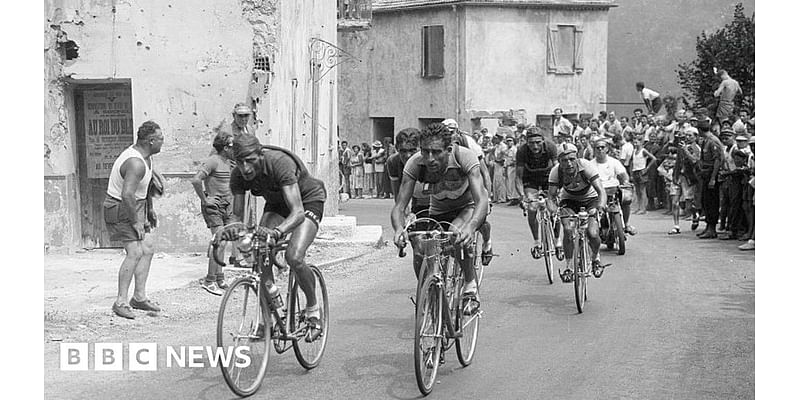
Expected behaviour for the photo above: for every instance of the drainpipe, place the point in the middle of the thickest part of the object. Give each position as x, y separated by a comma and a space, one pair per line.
294, 115
458, 63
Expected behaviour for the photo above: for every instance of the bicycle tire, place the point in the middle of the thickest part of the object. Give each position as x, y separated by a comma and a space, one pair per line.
580, 274
309, 355
465, 345
428, 317
619, 231
243, 291
548, 247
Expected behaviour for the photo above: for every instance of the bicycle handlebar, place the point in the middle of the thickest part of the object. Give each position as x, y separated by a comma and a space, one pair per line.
434, 233
244, 233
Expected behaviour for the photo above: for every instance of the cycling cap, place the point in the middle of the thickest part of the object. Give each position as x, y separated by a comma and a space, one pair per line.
566, 148
450, 123
533, 131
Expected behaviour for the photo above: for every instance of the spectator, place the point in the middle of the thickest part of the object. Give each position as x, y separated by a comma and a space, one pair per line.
344, 167
369, 170
560, 124
710, 163
651, 98
666, 171
498, 178
688, 156
582, 128
726, 92
641, 162
740, 125
379, 157
390, 149
357, 176
510, 166
749, 196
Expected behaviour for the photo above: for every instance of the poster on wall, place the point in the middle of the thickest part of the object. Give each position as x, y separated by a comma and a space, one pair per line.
109, 128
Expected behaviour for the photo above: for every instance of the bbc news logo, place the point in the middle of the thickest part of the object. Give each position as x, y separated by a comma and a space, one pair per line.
145, 356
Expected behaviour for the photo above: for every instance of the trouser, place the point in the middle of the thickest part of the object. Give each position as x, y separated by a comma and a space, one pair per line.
380, 188
735, 213
724, 202
346, 183
499, 183
511, 183
710, 200
387, 183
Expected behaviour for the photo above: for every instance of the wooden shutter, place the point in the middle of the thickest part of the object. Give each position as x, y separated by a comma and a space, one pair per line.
433, 51
578, 48
552, 37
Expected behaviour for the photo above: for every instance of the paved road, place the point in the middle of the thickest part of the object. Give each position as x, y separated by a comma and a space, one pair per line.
672, 319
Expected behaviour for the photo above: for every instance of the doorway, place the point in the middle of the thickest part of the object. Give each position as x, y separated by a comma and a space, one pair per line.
382, 127
103, 129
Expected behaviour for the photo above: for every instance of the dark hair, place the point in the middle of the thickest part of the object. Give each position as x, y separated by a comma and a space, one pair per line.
639, 85
559, 109
435, 131
344, 142
147, 129
244, 145
221, 141
603, 114
407, 135
639, 110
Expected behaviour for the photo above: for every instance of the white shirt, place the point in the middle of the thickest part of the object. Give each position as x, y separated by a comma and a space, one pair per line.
563, 125
609, 171
649, 94
625, 153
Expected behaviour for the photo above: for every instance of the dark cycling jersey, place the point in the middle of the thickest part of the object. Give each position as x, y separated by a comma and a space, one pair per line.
281, 168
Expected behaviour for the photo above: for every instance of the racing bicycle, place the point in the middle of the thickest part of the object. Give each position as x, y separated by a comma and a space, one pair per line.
249, 317
440, 317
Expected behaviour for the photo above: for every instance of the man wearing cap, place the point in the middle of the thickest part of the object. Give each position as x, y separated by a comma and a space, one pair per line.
575, 183
711, 159
498, 178
294, 203
451, 174
561, 124
242, 120
128, 218
379, 158
686, 171
534, 161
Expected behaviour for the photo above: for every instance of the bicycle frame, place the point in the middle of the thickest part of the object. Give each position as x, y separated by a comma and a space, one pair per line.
264, 255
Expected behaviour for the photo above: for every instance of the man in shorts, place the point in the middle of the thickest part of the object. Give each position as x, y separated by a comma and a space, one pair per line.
295, 203
129, 217
534, 161
212, 185
575, 184
451, 174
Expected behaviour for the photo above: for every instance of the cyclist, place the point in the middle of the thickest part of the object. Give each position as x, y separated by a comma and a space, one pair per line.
575, 182
294, 204
613, 175
465, 140
534, 161
451, 174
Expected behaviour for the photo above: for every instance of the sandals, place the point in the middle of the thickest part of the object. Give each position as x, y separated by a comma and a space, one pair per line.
314, 329
486, 257
470, 303
674, 231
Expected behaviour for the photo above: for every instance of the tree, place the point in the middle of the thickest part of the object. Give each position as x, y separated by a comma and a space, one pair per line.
732, 48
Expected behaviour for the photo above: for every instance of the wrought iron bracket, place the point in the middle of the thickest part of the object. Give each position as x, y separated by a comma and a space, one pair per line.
325, 56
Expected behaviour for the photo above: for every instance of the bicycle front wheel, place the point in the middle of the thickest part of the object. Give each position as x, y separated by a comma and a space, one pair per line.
548, 247
476, 259
581, 268
468, 327
619, 231
243, 328
428, 333
309, 354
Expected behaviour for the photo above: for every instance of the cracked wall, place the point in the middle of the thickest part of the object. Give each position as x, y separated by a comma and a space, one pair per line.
188, 63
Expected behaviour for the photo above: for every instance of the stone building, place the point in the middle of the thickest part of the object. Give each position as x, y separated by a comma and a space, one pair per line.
111, 65
474, 61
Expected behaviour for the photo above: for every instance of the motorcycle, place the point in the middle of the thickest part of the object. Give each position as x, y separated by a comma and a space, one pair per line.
612, 227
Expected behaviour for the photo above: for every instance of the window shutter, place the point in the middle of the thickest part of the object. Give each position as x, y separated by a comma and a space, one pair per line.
433, 51
579, 48
552, 37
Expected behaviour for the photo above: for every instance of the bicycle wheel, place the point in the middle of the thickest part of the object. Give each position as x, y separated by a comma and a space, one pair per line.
548, 248
309, 354
619, 231
580, 269
240, 315
468, 327
428, 333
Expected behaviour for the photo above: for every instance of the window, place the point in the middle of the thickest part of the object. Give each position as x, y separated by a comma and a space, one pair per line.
564, 49
433, 51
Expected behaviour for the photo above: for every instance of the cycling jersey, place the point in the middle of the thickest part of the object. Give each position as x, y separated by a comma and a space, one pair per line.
577, 187
536, 166
279, 169
451, 191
